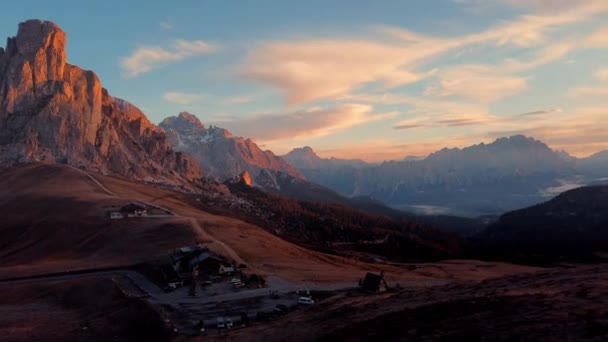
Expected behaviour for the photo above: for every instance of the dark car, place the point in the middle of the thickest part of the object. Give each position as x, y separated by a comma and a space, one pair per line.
281, 309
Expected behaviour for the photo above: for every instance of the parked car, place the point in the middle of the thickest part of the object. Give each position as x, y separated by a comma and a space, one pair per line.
220, 323
229, 323
306, 301
281, 309
206, 283
262, 316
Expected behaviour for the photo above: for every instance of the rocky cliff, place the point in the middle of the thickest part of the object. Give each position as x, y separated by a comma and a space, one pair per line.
57, 112
223, 156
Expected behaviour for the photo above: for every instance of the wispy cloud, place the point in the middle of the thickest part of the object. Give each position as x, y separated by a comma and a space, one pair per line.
598, 39
166, 25
236, 100
589, 91
315, 69
602, 74
541, 112
182, 98
144, 59
304, 124
479, 82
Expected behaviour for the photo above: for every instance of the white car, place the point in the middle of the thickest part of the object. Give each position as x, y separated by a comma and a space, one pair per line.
220, 323
229, 323
306, 301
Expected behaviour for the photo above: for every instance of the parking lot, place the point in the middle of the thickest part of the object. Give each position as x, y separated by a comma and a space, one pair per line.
223, 300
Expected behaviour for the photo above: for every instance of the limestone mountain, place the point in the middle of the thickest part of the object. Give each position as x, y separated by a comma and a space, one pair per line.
57, 112
223, 156
506, 174
337, 174
305, 158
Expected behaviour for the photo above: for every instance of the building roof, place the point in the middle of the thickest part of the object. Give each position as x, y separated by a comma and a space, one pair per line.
372, 282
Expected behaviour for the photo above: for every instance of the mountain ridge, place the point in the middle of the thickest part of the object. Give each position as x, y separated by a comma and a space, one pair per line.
224, 156
463, 181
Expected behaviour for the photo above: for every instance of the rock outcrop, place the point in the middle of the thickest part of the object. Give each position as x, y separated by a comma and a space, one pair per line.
53, 111
223, 156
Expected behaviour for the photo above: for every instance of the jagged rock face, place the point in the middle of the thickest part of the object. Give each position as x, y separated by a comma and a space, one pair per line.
221, 155
54, 111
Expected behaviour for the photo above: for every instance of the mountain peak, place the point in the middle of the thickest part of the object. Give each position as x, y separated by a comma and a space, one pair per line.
54, 111
35, 35
303, 151
185, 116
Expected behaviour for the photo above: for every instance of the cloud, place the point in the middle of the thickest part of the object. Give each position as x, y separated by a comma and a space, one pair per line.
411, 124
144, 59
541, 112
598, 39
547, 54
602, 74
182, 98
239, 100
536, 6
304, 124
315, 69
586, 91
166, 25
478, 82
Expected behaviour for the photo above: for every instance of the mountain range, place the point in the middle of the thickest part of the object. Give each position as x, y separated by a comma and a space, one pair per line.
483, 179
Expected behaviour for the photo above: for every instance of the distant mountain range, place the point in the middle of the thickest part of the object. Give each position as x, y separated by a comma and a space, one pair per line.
483, 179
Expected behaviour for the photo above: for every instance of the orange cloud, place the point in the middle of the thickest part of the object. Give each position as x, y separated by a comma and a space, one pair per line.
304, 124
602, 74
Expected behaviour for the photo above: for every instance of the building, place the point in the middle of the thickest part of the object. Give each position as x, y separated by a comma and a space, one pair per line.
134, 210
186, 259
226, 269
374, 283
138, 213
116, 215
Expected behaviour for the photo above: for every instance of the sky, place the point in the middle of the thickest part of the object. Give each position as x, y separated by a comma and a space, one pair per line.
375, 80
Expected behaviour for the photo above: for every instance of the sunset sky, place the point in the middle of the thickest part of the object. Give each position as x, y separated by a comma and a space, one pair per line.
353, 79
